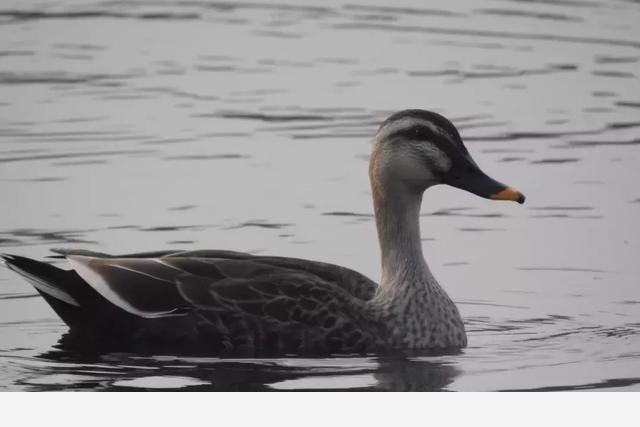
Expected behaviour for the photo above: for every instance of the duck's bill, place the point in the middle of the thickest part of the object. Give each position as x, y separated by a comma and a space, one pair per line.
509, 194
483, 185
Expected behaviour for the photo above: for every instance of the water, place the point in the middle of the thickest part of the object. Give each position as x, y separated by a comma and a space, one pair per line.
130, 126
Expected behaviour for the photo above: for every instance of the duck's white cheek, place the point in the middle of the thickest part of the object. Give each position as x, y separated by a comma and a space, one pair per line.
415, 169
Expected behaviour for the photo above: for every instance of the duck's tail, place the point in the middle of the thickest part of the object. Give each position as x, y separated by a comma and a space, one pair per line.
60, 288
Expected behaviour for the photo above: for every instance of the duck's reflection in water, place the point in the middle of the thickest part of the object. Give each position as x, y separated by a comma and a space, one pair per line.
74, 365
415, 374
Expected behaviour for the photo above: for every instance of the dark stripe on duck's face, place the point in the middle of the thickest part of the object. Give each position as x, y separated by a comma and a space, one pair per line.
429, 121
450, 144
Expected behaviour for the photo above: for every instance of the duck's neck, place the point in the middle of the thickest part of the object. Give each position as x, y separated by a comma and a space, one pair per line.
397, 212
418, 310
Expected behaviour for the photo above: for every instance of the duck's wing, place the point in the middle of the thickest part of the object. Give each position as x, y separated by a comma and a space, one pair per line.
161, 287
254, 305
351, 281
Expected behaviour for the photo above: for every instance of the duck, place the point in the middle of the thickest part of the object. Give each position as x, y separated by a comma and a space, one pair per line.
223, 302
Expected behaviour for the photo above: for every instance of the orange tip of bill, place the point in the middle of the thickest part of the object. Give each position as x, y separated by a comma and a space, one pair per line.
509, 194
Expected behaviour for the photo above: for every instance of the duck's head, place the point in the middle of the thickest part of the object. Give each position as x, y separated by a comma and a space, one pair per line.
416, 149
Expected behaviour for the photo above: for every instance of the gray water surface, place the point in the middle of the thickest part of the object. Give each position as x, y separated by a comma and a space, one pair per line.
139, 125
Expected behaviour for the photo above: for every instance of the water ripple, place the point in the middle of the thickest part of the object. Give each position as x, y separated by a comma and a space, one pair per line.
489, 34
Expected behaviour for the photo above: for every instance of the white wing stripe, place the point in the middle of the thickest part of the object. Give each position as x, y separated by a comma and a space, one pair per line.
97, 282
122, 267
166, 264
